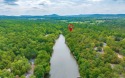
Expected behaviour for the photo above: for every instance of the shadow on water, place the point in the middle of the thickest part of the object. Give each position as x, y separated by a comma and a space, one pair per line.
46, 75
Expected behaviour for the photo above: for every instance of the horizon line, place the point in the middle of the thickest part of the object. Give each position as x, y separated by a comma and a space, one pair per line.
68, 14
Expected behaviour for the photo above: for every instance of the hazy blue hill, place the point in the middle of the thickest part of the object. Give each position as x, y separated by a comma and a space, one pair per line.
98, 15
52, 15
58, 17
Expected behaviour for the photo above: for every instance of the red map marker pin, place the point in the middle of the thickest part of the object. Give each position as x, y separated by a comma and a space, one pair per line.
70, 27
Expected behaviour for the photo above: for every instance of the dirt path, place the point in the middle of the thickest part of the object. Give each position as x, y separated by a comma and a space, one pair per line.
30, 72
120, 56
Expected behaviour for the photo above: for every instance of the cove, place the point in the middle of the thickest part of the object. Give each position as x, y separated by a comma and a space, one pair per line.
63, 64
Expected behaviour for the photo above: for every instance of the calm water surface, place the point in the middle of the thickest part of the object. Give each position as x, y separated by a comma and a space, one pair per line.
63, 64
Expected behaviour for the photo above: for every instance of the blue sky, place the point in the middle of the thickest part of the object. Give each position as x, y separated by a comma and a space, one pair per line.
61, 7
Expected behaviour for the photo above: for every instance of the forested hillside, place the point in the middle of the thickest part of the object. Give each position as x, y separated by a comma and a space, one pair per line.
97, 44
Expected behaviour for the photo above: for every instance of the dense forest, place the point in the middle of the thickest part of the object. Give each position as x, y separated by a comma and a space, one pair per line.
22, 40
98, 45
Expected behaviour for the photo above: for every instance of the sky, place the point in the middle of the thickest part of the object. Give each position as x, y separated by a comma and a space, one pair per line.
61, 7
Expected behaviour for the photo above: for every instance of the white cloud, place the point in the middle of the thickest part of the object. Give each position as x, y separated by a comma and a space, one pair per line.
96, 0
1, 0
63, 7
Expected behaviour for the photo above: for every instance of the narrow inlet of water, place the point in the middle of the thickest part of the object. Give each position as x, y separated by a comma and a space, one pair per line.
63, 64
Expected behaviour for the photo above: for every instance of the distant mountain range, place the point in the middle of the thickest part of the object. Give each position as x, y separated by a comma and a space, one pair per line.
58, 16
